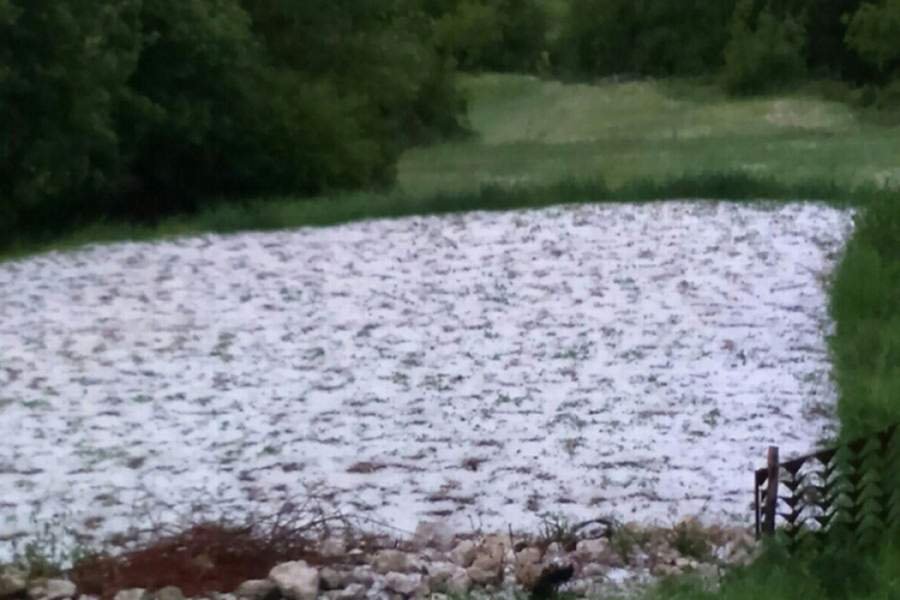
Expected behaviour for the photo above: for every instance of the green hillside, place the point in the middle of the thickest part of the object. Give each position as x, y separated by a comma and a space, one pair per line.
531, 131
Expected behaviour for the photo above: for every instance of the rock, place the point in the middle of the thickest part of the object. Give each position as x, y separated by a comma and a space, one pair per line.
464, 553
405, 584
555, 554
439, 573
665, 570
434, 555
132, 594
667, 555
490, 557
459, 583
739, 550
255, 589
529, 555
296, 580
169, 593
495, 551
685, 564
12, 581
362, 574
639, 559
387, 561
528, 566
593, 571
593, 550
333, 547
51, 589
527, 574
354, 591
482, 576
432, 534
580, 587
332, 579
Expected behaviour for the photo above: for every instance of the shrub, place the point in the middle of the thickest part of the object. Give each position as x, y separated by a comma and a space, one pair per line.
64, 66
826, 28
503, 35
689, 538
764, 52
379, 59
874, 32
651, 37
142, 108
189, 106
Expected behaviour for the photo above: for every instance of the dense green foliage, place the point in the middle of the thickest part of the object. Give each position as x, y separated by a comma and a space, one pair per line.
64, 66
499, 35
874, 33
141, 108
762, 44
653, 37
764, 53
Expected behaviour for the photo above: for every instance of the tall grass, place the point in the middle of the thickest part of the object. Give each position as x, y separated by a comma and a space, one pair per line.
837, 574
865, 304
289, 213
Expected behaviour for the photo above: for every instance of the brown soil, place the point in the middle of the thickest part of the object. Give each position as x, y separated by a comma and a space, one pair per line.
205, 558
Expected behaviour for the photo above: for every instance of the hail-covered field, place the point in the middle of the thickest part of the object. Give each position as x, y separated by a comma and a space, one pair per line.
484, 369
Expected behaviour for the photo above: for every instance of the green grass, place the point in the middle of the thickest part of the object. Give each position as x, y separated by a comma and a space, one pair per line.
834, 575
865, 304
536, 132
267, 214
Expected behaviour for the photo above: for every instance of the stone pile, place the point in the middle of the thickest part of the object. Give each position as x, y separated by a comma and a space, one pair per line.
436, 565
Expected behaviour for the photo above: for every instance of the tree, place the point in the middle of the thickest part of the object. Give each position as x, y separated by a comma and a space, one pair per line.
874, 34
65, 65
141, 108
498, 35
379, 55
651, 37
764, 52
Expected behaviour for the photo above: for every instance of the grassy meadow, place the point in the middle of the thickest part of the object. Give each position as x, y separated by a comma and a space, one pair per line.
533, 132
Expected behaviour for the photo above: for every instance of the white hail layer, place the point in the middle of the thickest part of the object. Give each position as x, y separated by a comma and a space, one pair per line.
485, 368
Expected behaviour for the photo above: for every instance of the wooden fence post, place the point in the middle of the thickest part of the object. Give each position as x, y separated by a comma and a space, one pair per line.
771, 492
756, 508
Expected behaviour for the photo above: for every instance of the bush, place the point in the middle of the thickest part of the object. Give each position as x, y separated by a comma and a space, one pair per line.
764, 52
142, 108
649, 37
500, 35
186, 118
826, 26
379, 58
64, 66
874, 34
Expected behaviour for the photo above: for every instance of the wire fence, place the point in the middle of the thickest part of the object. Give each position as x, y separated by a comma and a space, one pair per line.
851, 490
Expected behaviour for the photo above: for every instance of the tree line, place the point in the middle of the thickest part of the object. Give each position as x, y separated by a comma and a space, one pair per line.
141, 108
